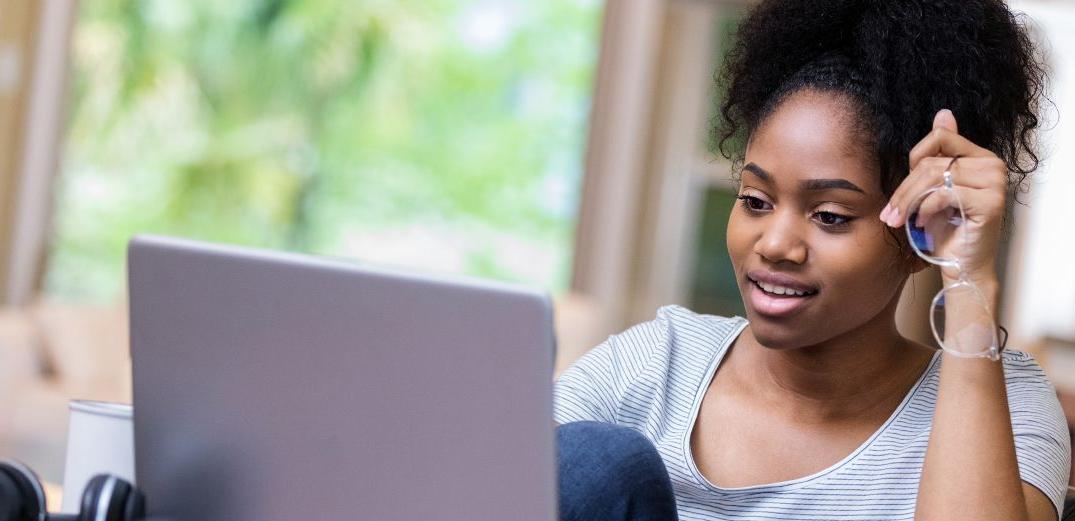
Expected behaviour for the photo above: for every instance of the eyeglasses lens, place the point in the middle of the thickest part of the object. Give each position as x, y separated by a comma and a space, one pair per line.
933, 228
968, 327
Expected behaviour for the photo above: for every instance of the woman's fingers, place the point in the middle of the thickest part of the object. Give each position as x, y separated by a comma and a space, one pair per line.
989, 173
978, 180
936, 202
928, 174
946, 119
979, 205
944, 142
976, 168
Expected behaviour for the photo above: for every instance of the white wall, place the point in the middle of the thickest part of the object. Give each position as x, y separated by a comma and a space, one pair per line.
1042, 283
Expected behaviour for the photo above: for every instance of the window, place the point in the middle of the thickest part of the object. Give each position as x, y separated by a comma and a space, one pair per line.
650, 165
713, 287
441, 135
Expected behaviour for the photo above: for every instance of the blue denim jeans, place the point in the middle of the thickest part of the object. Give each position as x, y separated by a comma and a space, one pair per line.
611, 473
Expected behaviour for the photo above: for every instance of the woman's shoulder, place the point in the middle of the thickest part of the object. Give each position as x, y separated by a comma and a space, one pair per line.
681, 315
1021, 361
685, 330
1023, 376
1032, 399
1042, 439
1020, 368
634, 368
1028, 386
678, 340
674, 333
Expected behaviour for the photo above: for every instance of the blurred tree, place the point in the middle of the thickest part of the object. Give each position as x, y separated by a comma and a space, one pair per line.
442, 134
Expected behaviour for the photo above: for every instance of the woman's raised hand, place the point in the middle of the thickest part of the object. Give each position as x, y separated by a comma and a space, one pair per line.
979, 178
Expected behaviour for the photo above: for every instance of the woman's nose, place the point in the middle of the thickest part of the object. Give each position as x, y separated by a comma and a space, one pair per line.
781, 241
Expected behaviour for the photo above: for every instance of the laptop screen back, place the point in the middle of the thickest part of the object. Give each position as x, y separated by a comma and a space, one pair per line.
277, 387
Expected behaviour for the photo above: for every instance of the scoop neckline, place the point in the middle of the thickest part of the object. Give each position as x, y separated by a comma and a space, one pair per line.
790, 483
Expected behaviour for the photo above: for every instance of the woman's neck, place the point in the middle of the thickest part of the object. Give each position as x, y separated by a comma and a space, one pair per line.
860, 374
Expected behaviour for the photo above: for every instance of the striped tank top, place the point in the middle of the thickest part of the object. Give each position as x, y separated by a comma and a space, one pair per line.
653, 376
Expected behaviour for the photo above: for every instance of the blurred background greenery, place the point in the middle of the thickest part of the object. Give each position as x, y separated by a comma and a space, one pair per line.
367, 129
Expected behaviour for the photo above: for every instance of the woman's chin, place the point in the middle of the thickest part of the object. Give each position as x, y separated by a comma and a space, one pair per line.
783, 333
777, 338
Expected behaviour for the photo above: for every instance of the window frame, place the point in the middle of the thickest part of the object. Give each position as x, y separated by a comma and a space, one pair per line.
39, 42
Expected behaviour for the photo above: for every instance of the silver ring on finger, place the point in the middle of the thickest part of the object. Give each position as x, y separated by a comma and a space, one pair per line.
948, 173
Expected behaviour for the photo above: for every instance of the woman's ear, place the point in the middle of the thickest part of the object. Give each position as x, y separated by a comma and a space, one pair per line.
915, 263
908, 261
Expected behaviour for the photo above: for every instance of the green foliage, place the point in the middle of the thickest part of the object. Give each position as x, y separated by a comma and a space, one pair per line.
314, 125
714, 287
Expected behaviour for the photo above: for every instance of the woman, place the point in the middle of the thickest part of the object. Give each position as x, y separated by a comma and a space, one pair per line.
814, 406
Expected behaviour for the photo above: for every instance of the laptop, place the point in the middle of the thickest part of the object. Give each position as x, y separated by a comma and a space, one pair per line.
280, 387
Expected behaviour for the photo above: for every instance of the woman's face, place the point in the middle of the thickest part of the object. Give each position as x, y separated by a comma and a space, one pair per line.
811, 257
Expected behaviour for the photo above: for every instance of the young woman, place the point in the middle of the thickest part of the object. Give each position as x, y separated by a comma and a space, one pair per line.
814, 406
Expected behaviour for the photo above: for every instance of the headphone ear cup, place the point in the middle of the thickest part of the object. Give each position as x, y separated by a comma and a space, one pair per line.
91, 497
21, 496
135, 506
119, 500
12, 500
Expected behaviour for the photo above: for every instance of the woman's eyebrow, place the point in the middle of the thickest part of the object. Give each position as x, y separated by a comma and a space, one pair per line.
830, 184
809, 184
757, 170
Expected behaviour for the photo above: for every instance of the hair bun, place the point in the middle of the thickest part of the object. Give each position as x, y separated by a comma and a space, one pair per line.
902, 60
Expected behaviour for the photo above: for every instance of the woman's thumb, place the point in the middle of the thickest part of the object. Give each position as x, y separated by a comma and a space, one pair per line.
945, 119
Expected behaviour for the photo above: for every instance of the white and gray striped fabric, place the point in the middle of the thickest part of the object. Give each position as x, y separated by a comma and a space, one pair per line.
652, 377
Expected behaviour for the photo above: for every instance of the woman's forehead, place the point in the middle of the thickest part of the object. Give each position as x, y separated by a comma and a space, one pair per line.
814, 135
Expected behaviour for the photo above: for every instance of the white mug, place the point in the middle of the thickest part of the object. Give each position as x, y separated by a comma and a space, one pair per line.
100, 440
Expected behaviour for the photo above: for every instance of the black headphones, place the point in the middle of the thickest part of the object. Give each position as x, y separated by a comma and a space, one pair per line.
106, 498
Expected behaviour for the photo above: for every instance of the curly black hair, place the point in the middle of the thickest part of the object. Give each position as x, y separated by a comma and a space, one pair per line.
899, 62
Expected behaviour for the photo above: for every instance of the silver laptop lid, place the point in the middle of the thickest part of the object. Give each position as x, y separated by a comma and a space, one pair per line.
282, 387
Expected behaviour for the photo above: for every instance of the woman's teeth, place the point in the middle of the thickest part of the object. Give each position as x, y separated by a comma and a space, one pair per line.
780, 290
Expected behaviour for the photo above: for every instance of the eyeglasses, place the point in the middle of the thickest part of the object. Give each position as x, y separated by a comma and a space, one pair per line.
960, 316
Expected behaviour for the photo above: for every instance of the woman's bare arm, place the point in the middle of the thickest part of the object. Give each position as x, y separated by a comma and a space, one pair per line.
970, 469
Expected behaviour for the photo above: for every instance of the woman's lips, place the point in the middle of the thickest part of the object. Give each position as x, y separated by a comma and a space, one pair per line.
783, 280
771, 305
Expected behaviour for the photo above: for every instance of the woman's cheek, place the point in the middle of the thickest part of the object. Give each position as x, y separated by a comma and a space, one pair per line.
871, 270
738, 240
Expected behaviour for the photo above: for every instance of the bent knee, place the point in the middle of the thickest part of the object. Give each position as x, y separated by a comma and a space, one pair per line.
591, 434
607, 449
605, 468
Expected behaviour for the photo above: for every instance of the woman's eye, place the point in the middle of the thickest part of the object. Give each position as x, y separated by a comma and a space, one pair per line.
752, 203
832, 219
